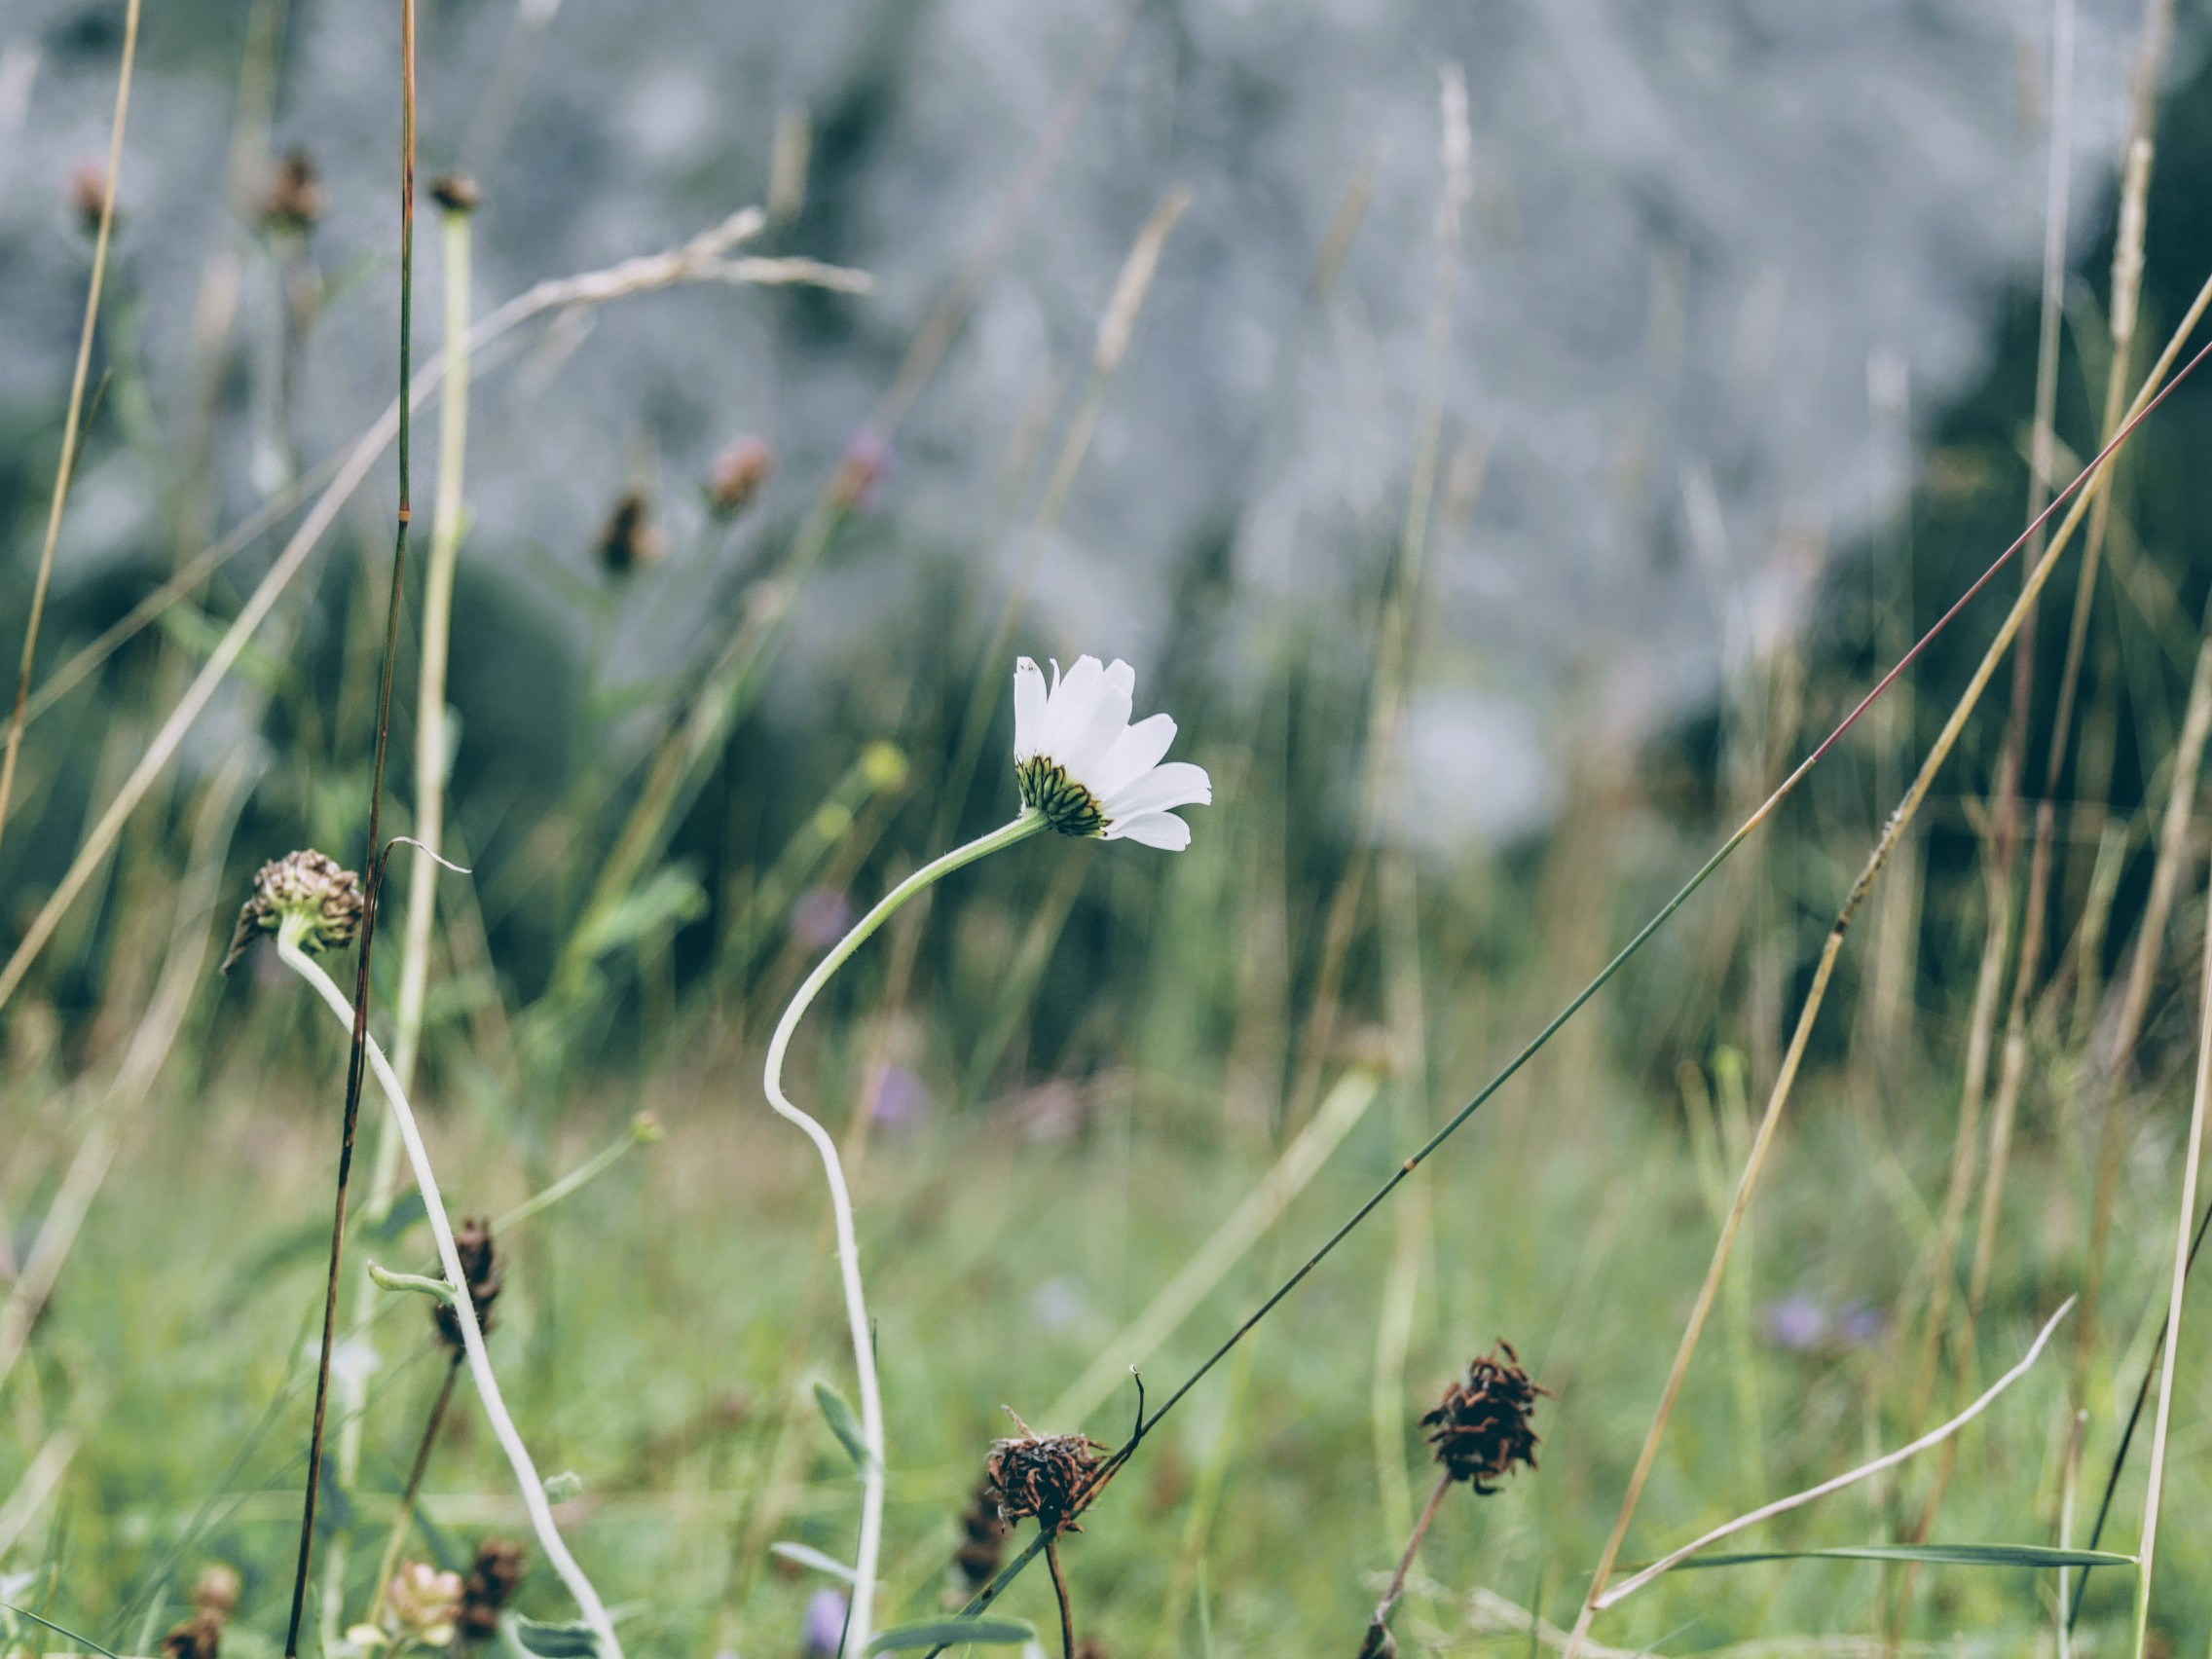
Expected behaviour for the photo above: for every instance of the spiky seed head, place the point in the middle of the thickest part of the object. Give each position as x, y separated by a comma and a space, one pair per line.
487, 1273
1481, 1428
1046, 1476
312, 894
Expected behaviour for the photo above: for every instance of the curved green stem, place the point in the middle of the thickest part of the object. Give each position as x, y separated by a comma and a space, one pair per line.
857, 1629
465, 1312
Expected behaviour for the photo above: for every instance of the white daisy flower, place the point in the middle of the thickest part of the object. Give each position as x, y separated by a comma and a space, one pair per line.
1087, 770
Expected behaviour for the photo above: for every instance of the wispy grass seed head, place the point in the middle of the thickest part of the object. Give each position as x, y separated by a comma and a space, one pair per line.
1482, 1429
306, 891
1087, 769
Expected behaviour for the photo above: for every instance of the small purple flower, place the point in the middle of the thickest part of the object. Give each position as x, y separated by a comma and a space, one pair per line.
900, 1100
821, 918
1860, 1326
1058, 1305
1796, 1322
824, 1624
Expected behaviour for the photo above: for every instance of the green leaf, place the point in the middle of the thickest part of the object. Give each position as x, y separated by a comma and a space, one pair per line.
1943, 1555
843, 1424
799, 1555
572, 1640
944, 1633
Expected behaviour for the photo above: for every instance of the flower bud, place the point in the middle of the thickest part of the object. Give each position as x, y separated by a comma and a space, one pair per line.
306, 891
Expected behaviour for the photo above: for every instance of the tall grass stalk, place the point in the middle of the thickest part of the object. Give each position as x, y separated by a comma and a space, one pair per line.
72, 422
376, 858
2085, 490
2146, 1551
859, 1625
463, 1307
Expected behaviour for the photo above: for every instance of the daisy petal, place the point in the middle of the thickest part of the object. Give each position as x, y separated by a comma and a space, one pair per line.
1069, 707
1086, 744
1030, 701
1176, 784
1162, 829
1135, 753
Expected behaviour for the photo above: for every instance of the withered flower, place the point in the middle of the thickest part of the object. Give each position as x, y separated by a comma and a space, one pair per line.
456, 193
305, 891
489, 1586
295, 199
199, 1636
629, 541
1481, 1428
423, 1604
739, 472
486, 1275
1046, 1476
983, 1542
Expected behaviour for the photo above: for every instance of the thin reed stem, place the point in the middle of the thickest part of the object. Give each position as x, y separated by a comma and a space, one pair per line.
859, 1625
2147, 1552
1379, 1623
356, 1056
72, 422
404, 1521
464, 1315
1060, 1594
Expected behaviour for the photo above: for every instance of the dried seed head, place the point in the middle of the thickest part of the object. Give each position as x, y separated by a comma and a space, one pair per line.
489, 1586
740, 471
217, 1590
456, 193
295, 199
1481, 1428
1045, 1476
629, 541
983, 1542
423, 1604
307, 891
487, 1274
199, 1636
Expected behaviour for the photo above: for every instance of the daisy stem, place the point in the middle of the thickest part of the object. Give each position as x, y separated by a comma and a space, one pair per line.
464, 1311
1030, 822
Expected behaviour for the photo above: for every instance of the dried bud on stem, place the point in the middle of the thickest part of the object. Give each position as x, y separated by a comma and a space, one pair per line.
456, 193
490, 1584
307, 891
295, 199
199, 1636
629, 541
86, 195
1046, 1476
487, 1276
1481, 1428
739, 473
983, 1542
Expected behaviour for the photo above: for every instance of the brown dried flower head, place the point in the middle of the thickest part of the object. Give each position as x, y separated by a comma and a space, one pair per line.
217, 1590
295, 199
1046, 1476
423, 1604
199, 1636
629, 541
487, 1274
306, 891
1481, 1428
456, 193
740, 471
489, 1586
983, 1542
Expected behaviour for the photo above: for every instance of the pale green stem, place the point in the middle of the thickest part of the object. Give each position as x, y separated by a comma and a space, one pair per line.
465, 1312
2147, 1553
857, 1629
639, 1133
430, 831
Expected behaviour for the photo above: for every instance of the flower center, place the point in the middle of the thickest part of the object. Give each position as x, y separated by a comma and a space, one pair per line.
1066, 805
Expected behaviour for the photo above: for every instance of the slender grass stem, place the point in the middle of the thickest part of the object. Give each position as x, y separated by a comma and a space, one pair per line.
859, 1624
1060, 1594
1379, 1624
464, 1313
404, 1521
72, 422
2145, 1554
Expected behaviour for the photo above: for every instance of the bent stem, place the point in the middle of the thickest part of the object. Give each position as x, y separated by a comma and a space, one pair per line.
1378, 1638
464, 1311
858, 1629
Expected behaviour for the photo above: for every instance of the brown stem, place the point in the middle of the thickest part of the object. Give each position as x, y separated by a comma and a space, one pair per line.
1378, 1626
408, 1498
1060, 1590
357, 1060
